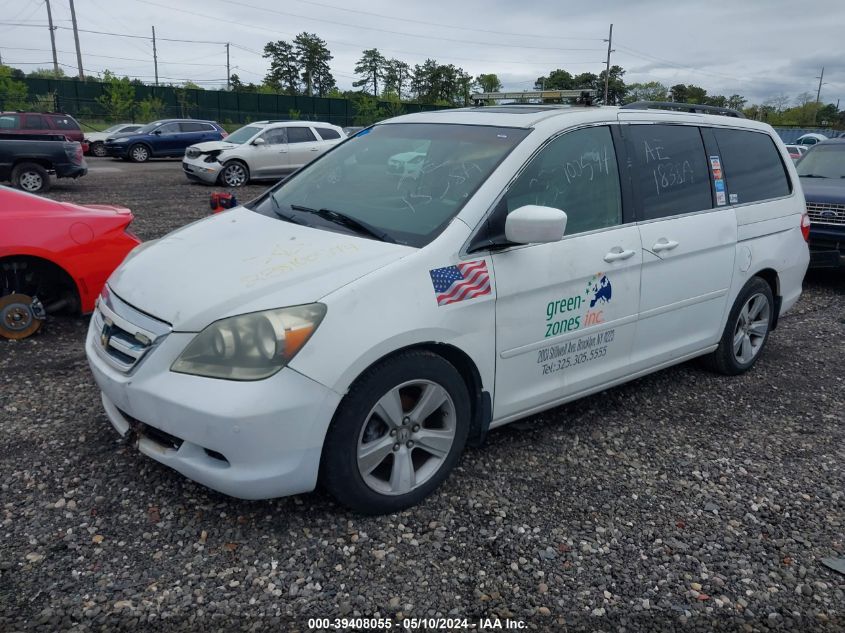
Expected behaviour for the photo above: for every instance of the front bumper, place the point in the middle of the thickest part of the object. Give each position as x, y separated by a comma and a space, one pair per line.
252, 440
827, 246
120, 150
198, 170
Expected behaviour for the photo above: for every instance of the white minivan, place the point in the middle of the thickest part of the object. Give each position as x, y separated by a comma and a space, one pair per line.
357, 325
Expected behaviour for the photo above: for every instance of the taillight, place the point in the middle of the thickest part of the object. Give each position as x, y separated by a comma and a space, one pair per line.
223, 133
74, 152
805, 226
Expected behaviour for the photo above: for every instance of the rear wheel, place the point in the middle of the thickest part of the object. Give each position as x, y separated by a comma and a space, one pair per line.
20, 316
98, 149
234, 174
139, 153
397, 434
31, 177
747, 329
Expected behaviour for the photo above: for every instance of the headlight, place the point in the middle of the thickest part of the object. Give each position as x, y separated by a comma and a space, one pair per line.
250, 346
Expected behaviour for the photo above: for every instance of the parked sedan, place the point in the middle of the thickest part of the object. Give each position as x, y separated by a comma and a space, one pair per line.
796, 151
55, 257
162, 139
97, 140
261, 150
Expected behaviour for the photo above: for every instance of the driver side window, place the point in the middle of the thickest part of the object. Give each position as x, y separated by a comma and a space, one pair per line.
275, 137
169, 128
576, 173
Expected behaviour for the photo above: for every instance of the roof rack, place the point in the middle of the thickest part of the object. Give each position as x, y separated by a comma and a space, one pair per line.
578, 96
683, 107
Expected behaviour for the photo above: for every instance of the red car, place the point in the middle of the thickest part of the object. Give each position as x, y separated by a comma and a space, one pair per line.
55, 257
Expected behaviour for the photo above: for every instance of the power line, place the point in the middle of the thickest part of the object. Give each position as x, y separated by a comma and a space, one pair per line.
123, 59
373, 28
448, 26
137, 37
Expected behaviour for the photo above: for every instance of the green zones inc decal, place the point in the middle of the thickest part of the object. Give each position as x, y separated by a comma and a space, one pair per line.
580, 310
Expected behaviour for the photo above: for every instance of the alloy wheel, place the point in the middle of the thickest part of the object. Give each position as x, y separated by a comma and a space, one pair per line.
406, 437
31, 181
751, 328
234, 175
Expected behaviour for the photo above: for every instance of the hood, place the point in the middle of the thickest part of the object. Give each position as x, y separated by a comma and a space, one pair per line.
97, 136
211, 146
824, 190
240, 261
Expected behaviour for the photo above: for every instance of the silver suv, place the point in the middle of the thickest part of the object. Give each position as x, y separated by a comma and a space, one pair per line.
261, 150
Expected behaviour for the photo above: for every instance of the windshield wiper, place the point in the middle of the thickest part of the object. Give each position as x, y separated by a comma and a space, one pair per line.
277, 209
362, 228
810, 176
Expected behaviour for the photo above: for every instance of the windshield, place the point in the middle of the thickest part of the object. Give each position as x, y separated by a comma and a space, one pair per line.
149, 127
824, 161
403, 180
114, 128
243, 135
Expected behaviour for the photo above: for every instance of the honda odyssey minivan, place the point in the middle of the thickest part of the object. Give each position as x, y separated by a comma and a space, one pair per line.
357, 327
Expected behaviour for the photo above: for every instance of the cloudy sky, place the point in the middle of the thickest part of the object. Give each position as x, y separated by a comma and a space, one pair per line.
757, 48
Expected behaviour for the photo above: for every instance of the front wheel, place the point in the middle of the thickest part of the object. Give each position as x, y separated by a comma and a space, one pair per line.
139, 153
747, 329
98, 149
234, 174
397, 434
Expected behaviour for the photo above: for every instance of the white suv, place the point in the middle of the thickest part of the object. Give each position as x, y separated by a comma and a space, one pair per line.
358, 327
261, 150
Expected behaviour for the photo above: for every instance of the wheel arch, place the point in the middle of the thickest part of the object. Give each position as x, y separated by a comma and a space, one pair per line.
770, 276
481, 404
41, 162
63, 277
235, 159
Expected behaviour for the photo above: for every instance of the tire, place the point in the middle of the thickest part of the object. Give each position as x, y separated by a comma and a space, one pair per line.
139, 153
31, 177
746, 331
98, 149
397, 434
234, 174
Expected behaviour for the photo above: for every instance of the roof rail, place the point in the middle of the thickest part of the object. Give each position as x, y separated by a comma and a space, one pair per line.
579, 96
683, 107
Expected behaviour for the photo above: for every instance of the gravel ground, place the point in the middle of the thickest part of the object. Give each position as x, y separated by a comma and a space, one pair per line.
686, 501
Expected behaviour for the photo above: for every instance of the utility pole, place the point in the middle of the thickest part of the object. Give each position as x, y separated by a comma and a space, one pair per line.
52, 39
155, 55
819, 91
76, 39
607, 70
228, 71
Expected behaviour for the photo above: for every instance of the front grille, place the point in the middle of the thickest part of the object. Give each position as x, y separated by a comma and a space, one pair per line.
122, 342
826, 213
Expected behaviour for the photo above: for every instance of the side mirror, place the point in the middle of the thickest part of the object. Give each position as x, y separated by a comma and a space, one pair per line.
157, 132
533, 224
259, 141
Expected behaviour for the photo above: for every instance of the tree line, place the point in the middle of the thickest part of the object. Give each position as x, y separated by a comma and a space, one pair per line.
302, 66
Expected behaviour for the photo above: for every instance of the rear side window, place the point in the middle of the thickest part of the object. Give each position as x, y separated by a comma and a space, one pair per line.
327, 134
670, 170
64, 123
35, 122
196, 127
300, 135
753, 167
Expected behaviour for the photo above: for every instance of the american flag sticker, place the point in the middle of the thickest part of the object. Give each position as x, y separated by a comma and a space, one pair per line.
464, 281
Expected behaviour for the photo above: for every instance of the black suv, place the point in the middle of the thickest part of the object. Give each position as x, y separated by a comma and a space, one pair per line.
822, 172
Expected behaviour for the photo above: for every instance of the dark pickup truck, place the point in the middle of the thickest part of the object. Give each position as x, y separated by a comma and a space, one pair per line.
28, 160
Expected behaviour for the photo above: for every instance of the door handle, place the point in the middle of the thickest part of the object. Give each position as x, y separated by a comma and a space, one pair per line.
664, 245
315, 149
283, 151
618, 254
